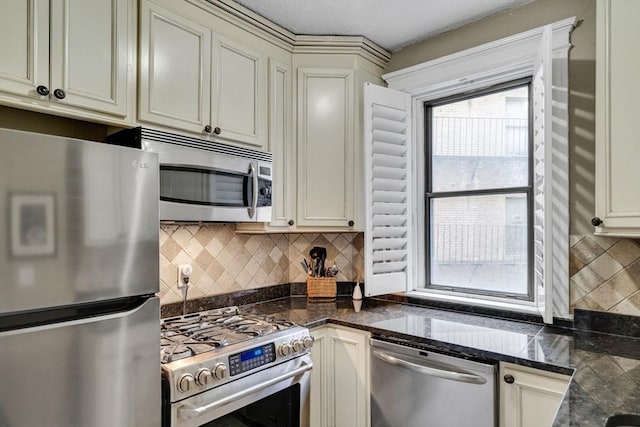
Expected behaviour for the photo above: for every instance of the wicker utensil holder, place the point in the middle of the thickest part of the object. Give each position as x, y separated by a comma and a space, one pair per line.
321, 288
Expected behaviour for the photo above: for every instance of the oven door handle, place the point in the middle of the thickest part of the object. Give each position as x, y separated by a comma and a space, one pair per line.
253, 174
430, 370
191, 412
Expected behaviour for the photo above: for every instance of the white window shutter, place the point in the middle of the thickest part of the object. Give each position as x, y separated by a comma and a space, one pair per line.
388, 209
542, 230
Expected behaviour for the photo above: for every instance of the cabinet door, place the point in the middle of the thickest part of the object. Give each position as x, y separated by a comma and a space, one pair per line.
347, 397
280, 144
238, 93
617, 125
24, 46
317, 413
90, 54
340, 378
325, 147
532, 399
175, 70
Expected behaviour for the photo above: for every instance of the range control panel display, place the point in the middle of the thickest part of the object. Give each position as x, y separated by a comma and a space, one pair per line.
251, 359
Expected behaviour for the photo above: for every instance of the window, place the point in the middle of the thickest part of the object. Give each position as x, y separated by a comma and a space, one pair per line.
519, 228
479, 192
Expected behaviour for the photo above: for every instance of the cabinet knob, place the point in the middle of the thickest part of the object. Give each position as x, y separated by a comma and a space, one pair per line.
291, 222
509, 379
595, 221
217, 130
42, 90
59, 93
351, 223
207, 129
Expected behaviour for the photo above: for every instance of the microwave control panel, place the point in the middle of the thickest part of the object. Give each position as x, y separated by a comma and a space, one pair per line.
264, 185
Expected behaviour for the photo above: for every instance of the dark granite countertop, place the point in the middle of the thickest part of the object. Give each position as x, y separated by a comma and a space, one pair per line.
605, 368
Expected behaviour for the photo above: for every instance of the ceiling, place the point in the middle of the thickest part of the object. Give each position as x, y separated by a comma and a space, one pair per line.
392, 24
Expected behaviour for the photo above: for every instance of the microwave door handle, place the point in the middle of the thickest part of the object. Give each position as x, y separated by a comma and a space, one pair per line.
254, 198
429, 370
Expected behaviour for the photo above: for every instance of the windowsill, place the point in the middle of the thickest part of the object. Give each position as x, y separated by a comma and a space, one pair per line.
524, 307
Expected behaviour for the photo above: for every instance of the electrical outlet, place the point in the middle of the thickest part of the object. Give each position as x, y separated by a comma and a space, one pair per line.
184, 275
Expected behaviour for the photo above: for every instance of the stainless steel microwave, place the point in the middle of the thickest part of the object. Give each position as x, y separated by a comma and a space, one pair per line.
202, 180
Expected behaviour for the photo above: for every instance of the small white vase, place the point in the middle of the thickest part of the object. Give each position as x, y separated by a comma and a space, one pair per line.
357, 293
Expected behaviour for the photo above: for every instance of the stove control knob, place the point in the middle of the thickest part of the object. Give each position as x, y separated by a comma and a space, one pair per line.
307, 341
220, 371
185, 383
284, 350
297, 345
203, 377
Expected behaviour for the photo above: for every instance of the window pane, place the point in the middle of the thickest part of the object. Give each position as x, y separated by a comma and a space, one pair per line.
481, 142
480, 243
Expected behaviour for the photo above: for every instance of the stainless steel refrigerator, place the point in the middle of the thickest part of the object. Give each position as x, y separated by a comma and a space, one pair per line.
79, 319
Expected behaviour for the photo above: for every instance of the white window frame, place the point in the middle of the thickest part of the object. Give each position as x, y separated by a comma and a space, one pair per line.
503, 60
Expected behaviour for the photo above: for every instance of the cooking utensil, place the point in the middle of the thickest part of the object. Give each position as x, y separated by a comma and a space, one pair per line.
323, 257
318, 255
333, 270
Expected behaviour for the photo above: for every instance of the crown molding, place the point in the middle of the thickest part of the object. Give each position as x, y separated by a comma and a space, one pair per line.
248, 20
343, 45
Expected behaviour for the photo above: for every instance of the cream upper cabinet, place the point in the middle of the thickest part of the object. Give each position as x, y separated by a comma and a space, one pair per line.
89, 54
340, 378
330, 151
529, 397
617, 125
318, 172
175, 70
24, 46
199, 80
67, 53
239, 81
329, 135
281, 143
326, 147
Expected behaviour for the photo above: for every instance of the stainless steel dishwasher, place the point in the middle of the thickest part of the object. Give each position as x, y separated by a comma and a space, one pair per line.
411, 387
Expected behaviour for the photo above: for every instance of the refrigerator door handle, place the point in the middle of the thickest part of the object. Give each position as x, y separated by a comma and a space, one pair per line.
426, 369
75, 322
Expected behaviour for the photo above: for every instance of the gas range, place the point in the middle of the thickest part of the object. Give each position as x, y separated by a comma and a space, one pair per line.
211, 356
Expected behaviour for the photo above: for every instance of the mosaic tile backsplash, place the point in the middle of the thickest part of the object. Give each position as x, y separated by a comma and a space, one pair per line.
604, 271
224, 261
605, 274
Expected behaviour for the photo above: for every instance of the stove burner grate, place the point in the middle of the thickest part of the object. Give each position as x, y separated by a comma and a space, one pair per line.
193, 334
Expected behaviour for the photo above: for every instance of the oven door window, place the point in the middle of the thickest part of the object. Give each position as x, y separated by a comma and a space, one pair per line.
281, 409
197, 186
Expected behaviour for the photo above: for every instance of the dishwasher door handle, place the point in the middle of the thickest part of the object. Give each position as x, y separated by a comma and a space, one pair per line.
429, 370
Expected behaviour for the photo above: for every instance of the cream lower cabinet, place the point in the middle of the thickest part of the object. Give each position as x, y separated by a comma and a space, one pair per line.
529, 397
198, 80
340, 377
617, 125
68, 57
